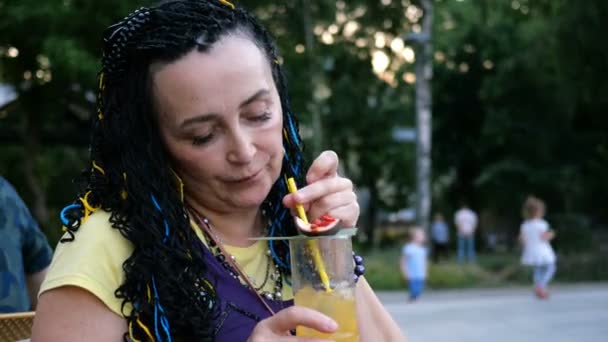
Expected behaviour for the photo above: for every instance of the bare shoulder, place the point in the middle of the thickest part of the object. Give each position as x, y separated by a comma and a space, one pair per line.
70, 313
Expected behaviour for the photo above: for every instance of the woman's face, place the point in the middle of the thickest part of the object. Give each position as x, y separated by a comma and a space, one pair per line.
220, 117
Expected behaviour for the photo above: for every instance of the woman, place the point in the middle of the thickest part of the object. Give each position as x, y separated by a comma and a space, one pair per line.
190, 150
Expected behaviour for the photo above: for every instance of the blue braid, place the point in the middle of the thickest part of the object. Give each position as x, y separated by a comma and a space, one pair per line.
165, 323
293, 167
157, 307
292, 130
282, 189
164, 220
158, 338
275, 256
163, 319
64, 220
286, 157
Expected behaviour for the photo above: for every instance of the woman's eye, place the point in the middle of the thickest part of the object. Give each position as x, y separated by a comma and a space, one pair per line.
197, 141
261, 118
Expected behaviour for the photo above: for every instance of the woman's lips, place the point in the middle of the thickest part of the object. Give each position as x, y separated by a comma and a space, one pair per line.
245, 179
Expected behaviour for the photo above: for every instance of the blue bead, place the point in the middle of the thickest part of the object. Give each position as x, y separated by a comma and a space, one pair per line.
360, 269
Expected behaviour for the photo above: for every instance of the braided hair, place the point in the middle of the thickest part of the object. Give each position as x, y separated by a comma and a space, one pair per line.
130, 174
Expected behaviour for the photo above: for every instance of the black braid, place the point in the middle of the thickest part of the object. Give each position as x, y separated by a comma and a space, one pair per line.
132, 173
118, 37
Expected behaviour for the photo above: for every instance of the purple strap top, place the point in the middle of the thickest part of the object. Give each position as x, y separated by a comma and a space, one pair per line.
240, 309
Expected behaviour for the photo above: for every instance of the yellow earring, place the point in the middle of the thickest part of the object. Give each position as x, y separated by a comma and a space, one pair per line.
180, 184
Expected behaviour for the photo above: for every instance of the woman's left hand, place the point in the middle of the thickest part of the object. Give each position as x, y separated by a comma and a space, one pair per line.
326, 192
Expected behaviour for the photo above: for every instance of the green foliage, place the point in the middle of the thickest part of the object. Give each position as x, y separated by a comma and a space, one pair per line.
382, 270
56, 170
574, 235
517, 105
45, 130
454, 276
492, 270
583, 267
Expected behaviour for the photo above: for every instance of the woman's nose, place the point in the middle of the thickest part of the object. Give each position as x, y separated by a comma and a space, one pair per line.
242, 148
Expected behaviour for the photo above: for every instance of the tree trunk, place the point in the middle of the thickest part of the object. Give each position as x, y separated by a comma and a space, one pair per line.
424, 74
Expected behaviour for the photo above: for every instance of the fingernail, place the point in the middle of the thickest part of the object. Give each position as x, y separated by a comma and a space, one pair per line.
331, 325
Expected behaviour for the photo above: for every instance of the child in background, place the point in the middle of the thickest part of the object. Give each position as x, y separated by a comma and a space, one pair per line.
413, 262
440, 236
535, 235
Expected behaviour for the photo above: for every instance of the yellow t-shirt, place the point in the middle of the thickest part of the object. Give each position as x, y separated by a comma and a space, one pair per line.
93, 261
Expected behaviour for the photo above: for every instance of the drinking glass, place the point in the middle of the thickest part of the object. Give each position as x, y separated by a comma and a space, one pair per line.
322, 271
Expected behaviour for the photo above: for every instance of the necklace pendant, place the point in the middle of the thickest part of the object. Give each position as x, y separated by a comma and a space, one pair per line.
278, 295
268, 295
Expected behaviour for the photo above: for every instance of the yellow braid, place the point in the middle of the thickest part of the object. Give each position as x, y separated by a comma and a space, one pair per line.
227, 3
100, 114
98, 168
123, 193
88, 209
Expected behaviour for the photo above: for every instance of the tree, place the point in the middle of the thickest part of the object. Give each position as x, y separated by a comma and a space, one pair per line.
517, 95
49, 56
517, 108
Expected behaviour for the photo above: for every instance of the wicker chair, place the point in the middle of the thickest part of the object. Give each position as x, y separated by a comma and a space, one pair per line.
16, 326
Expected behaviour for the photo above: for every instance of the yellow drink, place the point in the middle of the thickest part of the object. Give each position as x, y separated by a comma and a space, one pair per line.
339, 306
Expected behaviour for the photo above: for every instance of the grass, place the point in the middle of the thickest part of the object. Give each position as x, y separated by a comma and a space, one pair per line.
491, 270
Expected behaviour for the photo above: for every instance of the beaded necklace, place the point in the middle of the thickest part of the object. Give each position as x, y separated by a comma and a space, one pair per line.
228, 261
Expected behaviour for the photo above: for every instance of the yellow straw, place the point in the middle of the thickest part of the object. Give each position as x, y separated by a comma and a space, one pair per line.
312, 244
291, 186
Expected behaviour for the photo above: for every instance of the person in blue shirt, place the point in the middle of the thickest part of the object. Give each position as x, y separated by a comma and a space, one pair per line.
440, 236
25, 253
414, 262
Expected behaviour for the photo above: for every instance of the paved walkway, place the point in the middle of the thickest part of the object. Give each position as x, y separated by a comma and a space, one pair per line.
576, 313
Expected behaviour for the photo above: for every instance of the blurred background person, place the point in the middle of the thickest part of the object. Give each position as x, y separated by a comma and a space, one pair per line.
25, 253
413, 262
535, 235
440, 236
465, 220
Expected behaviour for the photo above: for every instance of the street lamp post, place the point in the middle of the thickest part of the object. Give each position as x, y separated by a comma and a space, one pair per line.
424, 74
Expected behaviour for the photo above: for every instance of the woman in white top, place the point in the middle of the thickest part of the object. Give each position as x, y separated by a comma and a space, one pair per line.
535, 235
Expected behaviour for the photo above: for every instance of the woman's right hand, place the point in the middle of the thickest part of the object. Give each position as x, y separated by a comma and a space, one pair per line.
278, 327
